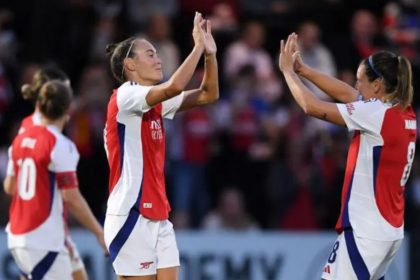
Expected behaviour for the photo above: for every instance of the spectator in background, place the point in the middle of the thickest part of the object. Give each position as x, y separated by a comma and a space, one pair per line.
191, 198
159, 34
139, 13
364, 32
239, 118
249, 50
8, 40
224, 18
230, 213
190, 153
8, 50
104, 32
207, 6
225, 21
264, 7
315, 54
86, 130
89, 109
364, 40
402, 30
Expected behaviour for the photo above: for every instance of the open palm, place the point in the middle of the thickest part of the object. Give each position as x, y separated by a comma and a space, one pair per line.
209, 43
198, 30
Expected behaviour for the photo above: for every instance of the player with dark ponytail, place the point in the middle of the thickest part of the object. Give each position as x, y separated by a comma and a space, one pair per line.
378, 111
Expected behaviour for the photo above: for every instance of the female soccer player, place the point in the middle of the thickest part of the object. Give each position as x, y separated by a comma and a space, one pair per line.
41, 177
30, 92
140, 238
378, 110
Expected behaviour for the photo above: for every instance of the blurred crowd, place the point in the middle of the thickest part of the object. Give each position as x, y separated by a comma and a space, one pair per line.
251, 161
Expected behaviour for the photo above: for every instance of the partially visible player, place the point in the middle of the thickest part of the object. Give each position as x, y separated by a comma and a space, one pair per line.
139, 236
41, 177
30, 92
378, 110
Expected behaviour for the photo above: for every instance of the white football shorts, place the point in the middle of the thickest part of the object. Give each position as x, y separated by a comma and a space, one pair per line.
356, 258
42, 264
139, 246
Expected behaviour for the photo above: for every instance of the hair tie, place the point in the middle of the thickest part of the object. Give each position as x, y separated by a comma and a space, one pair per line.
370, 61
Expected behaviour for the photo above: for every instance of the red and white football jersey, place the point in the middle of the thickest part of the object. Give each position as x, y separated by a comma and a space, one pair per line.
44, 162
29, 121
378, 166
135, 146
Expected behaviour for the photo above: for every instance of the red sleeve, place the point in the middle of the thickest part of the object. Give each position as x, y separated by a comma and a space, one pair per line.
67, 180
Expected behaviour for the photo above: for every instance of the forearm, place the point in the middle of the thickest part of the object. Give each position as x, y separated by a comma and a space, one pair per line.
80, 210
209, 89
9, 185
303, 96
310, 104
333, 87
210, 84
184, 73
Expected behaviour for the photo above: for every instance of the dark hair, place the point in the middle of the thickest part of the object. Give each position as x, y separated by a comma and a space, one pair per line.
117, 53
54, 99
396, 74
31, 91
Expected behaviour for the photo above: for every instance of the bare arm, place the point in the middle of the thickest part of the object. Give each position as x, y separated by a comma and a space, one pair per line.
335, 88
79, 208
176, 84
9, 185
310, 104
209, 89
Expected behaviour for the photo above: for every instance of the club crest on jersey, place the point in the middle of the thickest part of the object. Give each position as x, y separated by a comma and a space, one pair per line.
156, 127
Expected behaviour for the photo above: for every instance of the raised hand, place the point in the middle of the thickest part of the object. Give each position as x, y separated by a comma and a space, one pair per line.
209, 43
198, 31
299, 65
288, 55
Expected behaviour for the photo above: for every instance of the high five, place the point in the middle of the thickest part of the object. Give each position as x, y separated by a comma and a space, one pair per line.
139, 236
379, 112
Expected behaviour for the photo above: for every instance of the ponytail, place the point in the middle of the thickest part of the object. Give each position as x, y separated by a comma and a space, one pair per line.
28, 93
31, 91
396, 74
404, 90
54, 99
